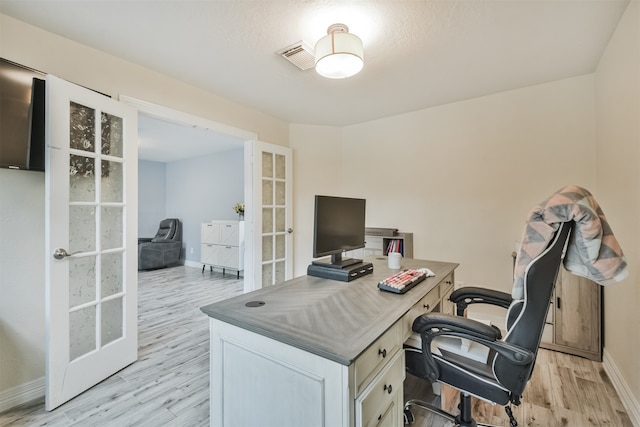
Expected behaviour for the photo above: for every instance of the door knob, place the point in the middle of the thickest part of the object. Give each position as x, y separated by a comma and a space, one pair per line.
60, 253
290, 230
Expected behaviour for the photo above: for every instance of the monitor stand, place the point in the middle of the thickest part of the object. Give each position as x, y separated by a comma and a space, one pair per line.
336, 261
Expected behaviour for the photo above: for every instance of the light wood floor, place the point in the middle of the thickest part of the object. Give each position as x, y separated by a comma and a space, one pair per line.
564, 390
169, 384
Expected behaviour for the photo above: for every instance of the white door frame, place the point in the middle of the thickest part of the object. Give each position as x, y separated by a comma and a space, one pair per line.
179, 117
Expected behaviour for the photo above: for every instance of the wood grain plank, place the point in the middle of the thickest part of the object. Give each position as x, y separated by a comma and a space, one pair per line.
564, 390
169, 384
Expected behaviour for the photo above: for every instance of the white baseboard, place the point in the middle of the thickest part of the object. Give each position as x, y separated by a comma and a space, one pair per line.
629, 401
192, 264
22, 393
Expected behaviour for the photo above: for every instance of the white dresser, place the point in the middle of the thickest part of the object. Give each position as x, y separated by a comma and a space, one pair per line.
222, 245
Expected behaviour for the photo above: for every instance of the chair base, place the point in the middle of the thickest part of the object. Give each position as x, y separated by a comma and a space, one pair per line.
458, 421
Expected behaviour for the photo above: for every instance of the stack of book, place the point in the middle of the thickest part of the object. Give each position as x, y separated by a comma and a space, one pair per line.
396, 245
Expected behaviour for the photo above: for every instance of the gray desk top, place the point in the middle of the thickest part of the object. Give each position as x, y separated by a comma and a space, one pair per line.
335, 320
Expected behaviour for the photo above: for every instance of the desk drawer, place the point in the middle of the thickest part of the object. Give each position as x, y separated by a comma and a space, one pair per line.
369, 363
446, 306
425, 305
446, 286
373, 407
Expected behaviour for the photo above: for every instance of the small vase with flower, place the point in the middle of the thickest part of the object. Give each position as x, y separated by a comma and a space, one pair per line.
239, 209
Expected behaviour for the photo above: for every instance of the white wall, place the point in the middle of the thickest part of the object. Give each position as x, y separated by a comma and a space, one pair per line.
618, 191
203, 189
462, 177
152, 196
22, 255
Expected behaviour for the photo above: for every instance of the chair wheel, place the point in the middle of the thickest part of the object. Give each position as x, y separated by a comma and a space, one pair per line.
408, 416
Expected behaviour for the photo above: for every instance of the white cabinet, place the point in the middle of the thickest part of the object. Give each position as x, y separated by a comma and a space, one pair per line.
222, 245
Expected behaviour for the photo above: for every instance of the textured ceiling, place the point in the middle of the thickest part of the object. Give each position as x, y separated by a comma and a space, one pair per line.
417, 53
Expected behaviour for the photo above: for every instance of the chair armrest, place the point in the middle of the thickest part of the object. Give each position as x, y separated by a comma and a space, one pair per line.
431, 325
466, 296
144, 239
457, 324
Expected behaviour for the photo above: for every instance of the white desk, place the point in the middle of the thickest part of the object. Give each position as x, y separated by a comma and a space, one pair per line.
318, 352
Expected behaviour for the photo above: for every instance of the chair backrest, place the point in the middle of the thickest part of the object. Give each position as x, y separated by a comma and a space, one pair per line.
526, 318
169, 231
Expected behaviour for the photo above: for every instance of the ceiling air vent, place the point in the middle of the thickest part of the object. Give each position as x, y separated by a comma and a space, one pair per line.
299, 54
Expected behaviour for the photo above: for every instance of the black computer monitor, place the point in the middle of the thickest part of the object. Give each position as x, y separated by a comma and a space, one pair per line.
338, 226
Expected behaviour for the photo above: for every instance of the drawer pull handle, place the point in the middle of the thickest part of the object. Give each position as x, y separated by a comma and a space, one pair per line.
383, 352
388, 388
427, 306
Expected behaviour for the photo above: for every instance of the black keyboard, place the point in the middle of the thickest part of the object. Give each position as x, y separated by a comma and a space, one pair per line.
402, 281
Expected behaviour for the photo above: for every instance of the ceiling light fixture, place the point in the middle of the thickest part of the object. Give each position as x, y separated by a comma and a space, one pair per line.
339, 54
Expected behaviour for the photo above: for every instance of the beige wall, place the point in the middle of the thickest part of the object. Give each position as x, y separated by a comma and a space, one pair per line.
461, 177
22, 193
618, 189
317, 169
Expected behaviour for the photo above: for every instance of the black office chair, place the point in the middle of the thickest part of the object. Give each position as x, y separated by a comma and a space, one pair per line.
502, 379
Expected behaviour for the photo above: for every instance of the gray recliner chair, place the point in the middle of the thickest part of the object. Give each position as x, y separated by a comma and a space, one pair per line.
163, 249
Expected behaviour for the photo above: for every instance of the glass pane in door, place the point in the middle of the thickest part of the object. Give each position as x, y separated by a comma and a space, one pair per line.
82, 332
82, 280
111, 274
267, 165
111, 320
112, 189
280, 193
111, 134
280, 246
267, 274
280, 271
82, 185
281, 166
267, 192
280, 220
267, 220
267, 248
111, 227
82, 130
82, 229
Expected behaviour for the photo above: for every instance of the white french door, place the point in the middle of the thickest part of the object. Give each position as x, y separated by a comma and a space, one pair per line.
91, 239
273, 209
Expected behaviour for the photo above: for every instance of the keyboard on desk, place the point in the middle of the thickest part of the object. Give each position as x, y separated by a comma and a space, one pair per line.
402, 281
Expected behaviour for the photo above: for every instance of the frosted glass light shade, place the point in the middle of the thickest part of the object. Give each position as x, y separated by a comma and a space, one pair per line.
339, 55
